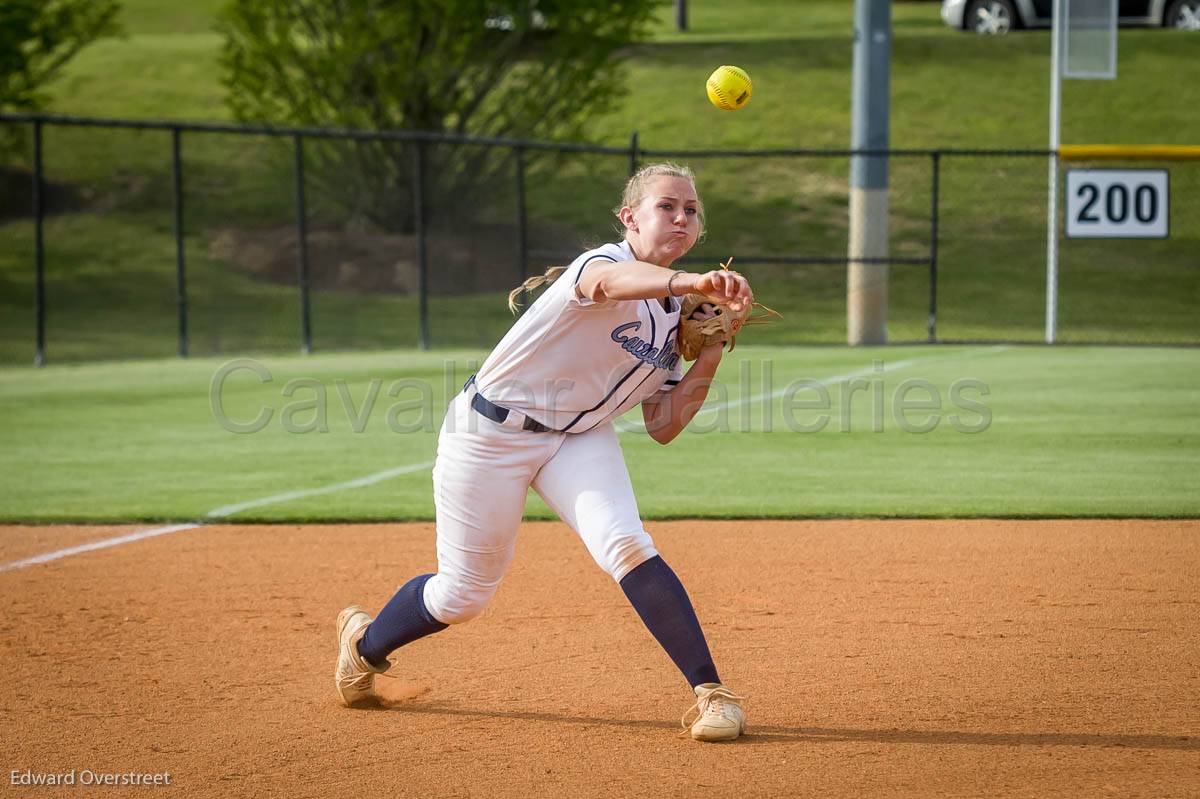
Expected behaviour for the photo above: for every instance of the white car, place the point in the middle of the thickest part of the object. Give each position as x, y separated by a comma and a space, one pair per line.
1001, 16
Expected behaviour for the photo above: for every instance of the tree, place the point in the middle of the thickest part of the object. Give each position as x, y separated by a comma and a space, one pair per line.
517, 68
39, 37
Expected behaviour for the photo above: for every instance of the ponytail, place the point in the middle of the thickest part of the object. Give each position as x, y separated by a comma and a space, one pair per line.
532, 284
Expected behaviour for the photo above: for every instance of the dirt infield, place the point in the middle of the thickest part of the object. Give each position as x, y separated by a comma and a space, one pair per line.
897, 658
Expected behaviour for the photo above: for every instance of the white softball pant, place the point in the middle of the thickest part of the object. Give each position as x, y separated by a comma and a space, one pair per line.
481, 479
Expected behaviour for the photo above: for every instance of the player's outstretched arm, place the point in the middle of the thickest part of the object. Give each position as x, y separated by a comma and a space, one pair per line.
638, 280
667, 413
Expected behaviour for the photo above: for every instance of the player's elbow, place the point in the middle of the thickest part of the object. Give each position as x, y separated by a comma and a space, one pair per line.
593, 284
662, 434
607, 288
658, 423
589, 290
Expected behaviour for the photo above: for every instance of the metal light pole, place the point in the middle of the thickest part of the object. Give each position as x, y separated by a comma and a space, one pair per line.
1052, 181
867, 270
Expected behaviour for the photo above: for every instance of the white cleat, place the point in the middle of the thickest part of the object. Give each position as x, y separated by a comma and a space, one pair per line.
721, 717
355, 677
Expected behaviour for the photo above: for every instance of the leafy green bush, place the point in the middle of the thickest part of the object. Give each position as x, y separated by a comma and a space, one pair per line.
520, 68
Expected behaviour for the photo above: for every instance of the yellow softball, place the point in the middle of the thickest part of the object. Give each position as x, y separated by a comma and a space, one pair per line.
729, 88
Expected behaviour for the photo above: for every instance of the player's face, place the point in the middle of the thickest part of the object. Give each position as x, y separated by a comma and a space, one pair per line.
667, 220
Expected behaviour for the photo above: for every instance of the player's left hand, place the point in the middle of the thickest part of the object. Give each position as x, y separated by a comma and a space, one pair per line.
708, 310
705, 326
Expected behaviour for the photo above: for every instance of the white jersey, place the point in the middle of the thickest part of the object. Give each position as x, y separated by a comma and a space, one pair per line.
573, 364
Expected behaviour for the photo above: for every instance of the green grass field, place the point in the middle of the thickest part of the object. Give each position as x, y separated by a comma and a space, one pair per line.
110, 267
1073, 432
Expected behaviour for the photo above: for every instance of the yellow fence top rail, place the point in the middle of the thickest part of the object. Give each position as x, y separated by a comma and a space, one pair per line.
1129, 152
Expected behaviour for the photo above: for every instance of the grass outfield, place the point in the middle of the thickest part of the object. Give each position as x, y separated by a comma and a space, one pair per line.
1073, 432
110, 263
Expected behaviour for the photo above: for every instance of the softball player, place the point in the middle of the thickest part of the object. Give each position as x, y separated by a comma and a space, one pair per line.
599, 341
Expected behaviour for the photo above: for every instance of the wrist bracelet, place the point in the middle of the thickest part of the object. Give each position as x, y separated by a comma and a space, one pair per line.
671, 282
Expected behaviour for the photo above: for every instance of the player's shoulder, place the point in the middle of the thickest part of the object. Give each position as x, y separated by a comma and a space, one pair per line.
612, 252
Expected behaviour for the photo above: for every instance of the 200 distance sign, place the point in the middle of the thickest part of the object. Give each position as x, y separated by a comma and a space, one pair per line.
1118, 204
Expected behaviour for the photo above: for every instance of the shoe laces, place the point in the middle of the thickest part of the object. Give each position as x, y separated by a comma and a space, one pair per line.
361, 676
360, 680
357, 680
710, 704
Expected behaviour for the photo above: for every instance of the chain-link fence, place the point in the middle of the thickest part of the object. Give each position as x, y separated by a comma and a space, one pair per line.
125, 240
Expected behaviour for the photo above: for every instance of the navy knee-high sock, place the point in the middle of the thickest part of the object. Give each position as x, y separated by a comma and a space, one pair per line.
403, 620
658, 597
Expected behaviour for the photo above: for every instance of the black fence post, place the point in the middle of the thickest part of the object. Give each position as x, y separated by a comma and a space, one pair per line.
680, 15
522, 219
180, 272
39, 250
933, 247
419, 219
633, 150
302, 247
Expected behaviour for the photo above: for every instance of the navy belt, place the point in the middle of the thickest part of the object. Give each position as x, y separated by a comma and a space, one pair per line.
497, 413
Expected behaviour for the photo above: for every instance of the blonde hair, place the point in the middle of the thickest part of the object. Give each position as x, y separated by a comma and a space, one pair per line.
532, 284
636, 187
635, 192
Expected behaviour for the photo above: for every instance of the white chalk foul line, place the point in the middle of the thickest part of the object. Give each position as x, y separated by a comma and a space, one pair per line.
637, 426
217, 513
713, 408
94, 545
864, 372
371, 479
